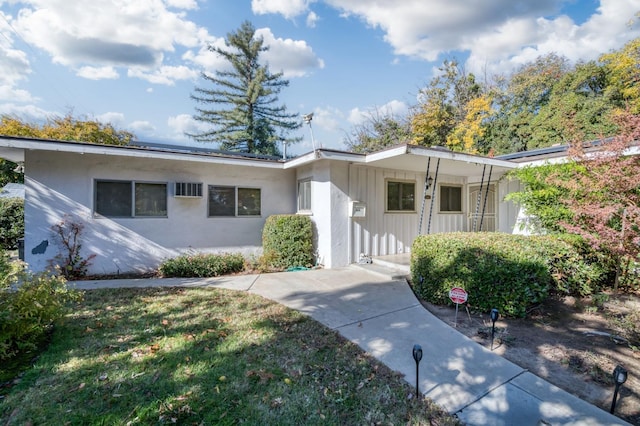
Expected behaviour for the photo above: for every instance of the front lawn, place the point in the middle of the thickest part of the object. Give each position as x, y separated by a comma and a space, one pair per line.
205, 356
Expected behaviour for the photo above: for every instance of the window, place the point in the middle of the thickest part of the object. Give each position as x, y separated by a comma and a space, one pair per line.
401, 196
304, 195
114, 198
232, 201
450, 199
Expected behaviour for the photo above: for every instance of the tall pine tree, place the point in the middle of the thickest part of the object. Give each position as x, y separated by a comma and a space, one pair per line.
242, 113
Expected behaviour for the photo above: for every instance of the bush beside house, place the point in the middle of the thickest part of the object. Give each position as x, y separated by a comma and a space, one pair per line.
11, 222
287, 242
29, 306
503, 271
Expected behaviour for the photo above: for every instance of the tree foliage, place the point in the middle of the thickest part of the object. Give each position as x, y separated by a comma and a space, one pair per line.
623, 70
67, 128
606, 208
596, 195
240, 108
378, 131
451, 109
545, 102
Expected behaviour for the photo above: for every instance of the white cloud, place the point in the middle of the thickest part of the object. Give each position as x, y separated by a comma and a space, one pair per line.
393, 108
141, 126
185, 123
500, 34
312, 18
98, 73
327, 118
115, 118
99, 35
166, 75
11, 93
287, 8
29, 113
183, 4
294, 57
205, 58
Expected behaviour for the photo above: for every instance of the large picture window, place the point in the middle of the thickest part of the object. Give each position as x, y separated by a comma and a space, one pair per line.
304, 195
401, 196
117, 198
232, 201
450, 199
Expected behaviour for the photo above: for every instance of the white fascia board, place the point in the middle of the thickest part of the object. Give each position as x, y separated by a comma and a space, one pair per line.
122, 151
321, 154
459, 156
387, 153
436, 153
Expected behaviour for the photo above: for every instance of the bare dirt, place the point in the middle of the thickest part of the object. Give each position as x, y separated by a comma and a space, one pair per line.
572, 343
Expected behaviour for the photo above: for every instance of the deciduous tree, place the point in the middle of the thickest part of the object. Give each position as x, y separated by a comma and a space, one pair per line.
606, 207
67, 128
450, 110
623, 67
378, 131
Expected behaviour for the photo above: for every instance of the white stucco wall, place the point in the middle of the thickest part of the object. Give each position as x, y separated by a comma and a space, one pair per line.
59, 184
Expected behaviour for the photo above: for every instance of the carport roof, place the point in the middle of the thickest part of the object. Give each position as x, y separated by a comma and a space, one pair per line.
412, 158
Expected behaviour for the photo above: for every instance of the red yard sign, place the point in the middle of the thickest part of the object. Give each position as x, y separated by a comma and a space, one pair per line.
458, 295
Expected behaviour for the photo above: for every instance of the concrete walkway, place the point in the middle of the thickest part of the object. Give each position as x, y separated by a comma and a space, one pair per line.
380, 313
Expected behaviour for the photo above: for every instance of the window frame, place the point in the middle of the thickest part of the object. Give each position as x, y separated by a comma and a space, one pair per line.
400, 201
307, 195
440, 198
133, 199
236, 203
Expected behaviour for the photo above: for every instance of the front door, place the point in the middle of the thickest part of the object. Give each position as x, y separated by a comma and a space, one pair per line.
479, 203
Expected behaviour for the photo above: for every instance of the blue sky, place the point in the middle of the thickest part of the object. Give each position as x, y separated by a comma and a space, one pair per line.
134, 63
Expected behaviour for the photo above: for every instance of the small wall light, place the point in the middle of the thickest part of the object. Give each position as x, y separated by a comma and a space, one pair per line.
417, 356
429, 182
619, 377
494, 317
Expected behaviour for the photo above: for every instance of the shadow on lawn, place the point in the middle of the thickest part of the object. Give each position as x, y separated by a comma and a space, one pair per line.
191, 356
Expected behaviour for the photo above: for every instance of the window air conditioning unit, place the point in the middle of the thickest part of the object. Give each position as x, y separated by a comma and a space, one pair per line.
188, 190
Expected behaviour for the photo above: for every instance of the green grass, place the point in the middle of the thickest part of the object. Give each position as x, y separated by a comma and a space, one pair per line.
205, 356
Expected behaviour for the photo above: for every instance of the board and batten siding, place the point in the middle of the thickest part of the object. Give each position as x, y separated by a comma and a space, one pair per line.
380, 232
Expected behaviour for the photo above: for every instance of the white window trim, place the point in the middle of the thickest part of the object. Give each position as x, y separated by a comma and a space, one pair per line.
439, 197
310, 209
386, 196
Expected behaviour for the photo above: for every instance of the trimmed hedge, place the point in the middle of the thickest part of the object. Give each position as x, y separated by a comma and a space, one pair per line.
202, 265
11, 222
287, 242
503, 271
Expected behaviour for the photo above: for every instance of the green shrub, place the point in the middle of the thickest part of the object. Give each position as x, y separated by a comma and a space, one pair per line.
287, 241
503, 271
29, 305
11, 222
202, 265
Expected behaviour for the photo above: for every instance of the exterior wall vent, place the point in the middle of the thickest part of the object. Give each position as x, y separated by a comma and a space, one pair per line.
188, 189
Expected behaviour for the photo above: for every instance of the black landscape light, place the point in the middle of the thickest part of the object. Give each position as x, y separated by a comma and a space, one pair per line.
619, 377
417, 356
494, 317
